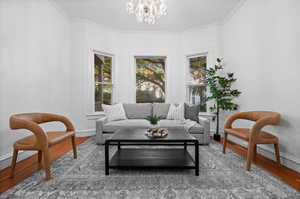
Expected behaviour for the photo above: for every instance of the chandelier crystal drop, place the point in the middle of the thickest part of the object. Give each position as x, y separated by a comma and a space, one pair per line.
147, 11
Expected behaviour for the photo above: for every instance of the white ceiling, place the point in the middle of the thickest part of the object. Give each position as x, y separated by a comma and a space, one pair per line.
182, 14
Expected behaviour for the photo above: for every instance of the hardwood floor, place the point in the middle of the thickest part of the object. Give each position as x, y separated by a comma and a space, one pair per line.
27, 167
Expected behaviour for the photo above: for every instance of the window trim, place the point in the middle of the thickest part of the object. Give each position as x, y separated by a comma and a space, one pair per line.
92, 78
149, 55
188, 84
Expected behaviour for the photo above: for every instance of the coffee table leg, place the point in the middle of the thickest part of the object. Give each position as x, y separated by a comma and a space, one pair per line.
119, 145
106, 158
184, 145
197, 158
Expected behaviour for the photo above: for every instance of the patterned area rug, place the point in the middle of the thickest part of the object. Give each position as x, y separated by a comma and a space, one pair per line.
221, 176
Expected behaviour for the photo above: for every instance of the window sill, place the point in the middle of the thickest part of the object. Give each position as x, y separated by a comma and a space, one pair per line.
95, 115
194, 84
207, 114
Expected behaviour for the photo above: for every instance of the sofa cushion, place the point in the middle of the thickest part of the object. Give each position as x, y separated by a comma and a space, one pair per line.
132, 123
171, 124
138, 111
114, 112
191, 112
161, 110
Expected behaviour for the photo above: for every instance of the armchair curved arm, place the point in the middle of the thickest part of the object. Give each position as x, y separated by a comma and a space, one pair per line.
233, 117
30, 121
261, 118
39, 118
18, 123
259, 124
49, 117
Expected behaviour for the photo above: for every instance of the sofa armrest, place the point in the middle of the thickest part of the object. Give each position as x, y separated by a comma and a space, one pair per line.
206, 125
99, 130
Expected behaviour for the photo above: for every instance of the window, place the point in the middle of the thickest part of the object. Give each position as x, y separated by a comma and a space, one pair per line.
150, 79
196, 76
103, 80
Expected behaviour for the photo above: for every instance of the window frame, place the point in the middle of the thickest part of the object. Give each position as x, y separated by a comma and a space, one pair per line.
165, 57
189, 85
112, 56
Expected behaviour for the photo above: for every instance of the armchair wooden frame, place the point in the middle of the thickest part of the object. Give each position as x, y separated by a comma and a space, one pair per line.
254, 135
41, 140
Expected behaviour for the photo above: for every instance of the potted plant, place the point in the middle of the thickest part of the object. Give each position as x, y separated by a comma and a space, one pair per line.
221, 92
155, 131
153, 120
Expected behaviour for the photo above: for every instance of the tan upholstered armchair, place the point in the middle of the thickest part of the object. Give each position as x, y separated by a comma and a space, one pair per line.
253, 135
41, 140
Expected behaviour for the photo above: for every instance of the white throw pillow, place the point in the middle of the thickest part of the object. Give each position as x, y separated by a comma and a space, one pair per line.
114, 112
176, 112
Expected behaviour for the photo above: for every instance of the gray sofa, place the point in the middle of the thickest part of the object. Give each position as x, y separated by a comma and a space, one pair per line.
136, 114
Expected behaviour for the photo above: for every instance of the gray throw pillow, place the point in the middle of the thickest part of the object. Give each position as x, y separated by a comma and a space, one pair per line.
161, 110
191, 112
138, 111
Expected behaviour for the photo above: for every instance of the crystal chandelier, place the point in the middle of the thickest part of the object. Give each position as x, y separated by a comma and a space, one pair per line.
147, 11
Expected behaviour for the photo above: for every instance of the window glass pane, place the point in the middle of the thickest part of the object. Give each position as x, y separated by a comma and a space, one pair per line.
107, 94
103, 65
196, 89
150, 80
98, 67
107, 69
197, 65
98, 97
103, 81
197, 95
103, 95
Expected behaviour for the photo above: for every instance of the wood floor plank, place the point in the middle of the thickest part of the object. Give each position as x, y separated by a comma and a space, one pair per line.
27, 167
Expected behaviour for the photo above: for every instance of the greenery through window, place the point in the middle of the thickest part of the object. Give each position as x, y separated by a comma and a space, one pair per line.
150, 79
196, 86
103, 80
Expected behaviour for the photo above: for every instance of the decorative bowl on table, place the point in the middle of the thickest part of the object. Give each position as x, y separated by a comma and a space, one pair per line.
157, 132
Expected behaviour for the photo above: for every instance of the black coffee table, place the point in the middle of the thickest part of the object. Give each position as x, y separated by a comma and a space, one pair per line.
142, 157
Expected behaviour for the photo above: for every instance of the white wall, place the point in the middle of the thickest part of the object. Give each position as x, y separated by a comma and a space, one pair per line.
201, 40
87, 36
34, 62
79, 72
149, 44
261, 45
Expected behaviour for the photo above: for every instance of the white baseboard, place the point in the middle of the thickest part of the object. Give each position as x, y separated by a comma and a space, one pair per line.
286, 159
